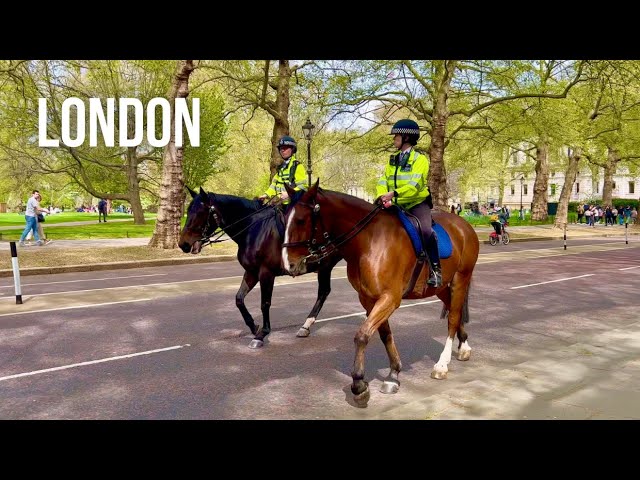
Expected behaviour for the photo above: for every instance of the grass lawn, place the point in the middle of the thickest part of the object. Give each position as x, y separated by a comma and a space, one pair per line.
94, 230
17, 219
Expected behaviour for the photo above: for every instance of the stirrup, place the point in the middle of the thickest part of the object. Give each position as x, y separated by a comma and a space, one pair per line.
435, 276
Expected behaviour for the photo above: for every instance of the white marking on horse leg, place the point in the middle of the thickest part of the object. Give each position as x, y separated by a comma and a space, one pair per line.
310, 321
440, 369
464, 352
285, 256
305, 330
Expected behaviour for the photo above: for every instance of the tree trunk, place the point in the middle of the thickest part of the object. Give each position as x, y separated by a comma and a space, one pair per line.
437, 171
134, 186
541, 184
609, 170
172, 195
569, 179
281, 119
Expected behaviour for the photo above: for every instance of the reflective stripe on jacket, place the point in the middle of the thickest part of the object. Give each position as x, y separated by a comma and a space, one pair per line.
282, 176
410, 180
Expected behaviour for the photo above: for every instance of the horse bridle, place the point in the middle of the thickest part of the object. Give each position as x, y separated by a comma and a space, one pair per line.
217, 216
206, 239
318, 252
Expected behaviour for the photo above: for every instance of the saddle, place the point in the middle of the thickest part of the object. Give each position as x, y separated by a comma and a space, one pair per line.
412, 227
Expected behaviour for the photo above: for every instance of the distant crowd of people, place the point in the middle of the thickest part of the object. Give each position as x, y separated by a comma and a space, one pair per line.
610, 215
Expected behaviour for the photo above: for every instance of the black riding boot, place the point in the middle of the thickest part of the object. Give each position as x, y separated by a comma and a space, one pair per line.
435, 272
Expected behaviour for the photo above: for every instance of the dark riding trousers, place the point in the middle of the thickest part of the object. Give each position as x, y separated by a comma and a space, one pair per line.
423, 212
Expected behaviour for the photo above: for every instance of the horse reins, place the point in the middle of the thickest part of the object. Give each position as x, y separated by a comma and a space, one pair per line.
322, 251
206, 239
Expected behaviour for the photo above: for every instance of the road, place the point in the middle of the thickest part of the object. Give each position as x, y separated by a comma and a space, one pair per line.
169, 343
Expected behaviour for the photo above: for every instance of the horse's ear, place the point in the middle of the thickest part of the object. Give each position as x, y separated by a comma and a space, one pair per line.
313, 191
289, 190
193, 194
202, 192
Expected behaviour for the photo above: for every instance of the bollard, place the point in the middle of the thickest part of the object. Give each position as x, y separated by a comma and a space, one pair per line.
626, 239
565, 236
16, 272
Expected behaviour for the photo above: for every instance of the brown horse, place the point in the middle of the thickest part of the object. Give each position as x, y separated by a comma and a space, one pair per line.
380, 263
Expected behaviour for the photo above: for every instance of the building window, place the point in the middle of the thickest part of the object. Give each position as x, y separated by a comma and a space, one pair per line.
513, 189
632, 187
553, 189
525, 188
613, 186
597, 188
577, 187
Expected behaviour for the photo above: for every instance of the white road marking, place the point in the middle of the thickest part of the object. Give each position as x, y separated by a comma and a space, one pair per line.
92, 362
87, 280
629, 268
553, 281
127, 286
90, 305
364, 313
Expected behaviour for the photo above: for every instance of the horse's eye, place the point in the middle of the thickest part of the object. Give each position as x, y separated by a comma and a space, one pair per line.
300, 221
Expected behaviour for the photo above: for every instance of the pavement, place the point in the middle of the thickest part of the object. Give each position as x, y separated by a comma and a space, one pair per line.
523, 233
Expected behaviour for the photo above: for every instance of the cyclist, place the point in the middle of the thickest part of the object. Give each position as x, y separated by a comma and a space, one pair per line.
496, 224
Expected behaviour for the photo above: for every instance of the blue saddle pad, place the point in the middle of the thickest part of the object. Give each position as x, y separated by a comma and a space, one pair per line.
445, 248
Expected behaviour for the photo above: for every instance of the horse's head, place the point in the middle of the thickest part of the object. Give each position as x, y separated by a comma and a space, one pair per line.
302, 233
201, 222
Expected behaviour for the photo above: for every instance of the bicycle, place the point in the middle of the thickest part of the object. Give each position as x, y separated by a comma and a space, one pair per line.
494, 239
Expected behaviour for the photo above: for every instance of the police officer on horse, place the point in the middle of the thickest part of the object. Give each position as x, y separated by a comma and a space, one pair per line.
404, 184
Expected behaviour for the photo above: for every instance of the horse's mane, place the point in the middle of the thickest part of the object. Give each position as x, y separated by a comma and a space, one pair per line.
222, 201
346, 198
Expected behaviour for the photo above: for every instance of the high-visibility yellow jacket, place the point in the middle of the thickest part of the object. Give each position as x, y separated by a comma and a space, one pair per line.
408, 179
282, 176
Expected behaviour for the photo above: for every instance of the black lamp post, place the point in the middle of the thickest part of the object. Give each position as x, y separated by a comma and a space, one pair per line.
521, 185
308, 129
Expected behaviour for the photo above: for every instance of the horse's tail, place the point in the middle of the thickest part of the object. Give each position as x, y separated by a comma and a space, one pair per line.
464, 316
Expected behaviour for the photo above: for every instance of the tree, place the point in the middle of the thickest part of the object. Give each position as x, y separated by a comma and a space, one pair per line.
444, 96
172, 192
116, 173
261, 85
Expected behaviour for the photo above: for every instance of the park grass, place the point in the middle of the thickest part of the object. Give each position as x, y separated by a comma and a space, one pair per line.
17, 219
92, 231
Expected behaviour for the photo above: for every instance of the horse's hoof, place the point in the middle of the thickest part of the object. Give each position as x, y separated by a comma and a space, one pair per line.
362, 399
438, 375
463, 355
255, 343
303, 332
390, 387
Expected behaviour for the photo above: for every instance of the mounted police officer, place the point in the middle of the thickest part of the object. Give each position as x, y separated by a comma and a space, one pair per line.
290, 171
404, 183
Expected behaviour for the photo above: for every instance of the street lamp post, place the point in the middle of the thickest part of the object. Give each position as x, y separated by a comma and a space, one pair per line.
308, 129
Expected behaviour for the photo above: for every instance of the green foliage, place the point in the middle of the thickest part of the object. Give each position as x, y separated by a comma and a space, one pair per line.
200, 163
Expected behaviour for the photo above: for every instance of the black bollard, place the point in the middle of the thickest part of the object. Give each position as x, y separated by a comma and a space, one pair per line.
565, 236
626, 239
16, 272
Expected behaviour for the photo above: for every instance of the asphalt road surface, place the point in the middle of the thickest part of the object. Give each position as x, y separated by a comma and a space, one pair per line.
552, 332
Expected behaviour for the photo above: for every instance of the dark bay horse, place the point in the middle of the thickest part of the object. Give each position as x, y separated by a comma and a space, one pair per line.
254, 228
380, 263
